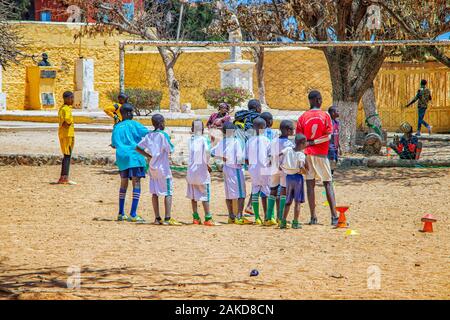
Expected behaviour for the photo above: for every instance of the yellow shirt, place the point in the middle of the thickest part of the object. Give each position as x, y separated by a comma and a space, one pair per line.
114, 112
66, 127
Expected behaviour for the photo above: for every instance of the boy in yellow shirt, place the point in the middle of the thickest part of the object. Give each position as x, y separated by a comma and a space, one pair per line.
114, 110
66, 134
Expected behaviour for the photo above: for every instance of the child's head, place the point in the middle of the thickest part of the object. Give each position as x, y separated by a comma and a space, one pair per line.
158, 121
228, 129
300, 142
406, 128
267, 116
127, 111
333, 111
197, 127
224, 108
254, 105
315, 99
423, 83
286, 128
68, 98
259, 124
122, 98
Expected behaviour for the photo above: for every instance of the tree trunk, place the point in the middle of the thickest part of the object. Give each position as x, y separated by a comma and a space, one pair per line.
259, 57
172, 82
370, 109
347, 115
352, 71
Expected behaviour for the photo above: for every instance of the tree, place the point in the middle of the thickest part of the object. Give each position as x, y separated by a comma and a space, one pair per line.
156, 20
254, 19
10, 42
353, 69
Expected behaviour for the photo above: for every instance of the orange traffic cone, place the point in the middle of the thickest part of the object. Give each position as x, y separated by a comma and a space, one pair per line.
342, 221
428, 220
388, 153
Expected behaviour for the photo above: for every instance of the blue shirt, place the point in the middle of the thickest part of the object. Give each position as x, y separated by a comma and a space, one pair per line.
268, 132
125, 137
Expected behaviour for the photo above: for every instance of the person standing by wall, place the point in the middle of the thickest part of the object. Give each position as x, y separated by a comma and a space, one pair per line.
423, 96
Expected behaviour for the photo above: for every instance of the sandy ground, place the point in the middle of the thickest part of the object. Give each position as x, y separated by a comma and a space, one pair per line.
97, 144
47, 228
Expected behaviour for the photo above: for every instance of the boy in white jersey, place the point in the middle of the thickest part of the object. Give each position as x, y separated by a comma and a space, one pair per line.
257, 152
278, 177
156, 146
294, 166
230, 151
198, 177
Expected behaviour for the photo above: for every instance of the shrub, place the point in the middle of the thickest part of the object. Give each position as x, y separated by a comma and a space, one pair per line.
232, 96
145, 101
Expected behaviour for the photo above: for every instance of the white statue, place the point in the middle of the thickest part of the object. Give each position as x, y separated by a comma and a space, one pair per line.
235, 35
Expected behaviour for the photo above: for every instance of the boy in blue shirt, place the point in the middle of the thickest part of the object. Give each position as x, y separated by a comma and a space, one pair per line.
132, 165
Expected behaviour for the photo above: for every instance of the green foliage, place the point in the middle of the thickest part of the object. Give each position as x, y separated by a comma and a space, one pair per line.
232, 96
145, 101
19, 9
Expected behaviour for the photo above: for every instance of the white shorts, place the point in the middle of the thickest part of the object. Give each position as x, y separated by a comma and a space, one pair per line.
161, 187
234, 183
198, 192
263, 189
318, 166
278, 179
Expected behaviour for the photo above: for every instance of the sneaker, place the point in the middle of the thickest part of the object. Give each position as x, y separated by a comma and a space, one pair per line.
283, 224
172, 222
418, 134
231, 221
158, 221
430, 130
313, 221
334, 221
72, 183
242, 221
270, 222
258, 222
249, 210
136, 218
296, 225
122, 217
210, 223
197, 221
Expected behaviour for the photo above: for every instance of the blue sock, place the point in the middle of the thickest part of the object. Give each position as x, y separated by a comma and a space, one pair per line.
122, 194
134, 204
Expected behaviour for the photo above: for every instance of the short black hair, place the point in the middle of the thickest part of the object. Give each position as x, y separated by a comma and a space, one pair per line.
254, 104
332, 109
423, 82
122, 96
313, 94
267, 116
286, 124
67, 94
127, 111
259, 123
157, 119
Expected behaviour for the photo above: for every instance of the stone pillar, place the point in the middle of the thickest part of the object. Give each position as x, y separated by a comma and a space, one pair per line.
2, 94
85, 97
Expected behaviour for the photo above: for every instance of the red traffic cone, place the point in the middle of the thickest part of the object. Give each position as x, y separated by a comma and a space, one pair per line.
428, 220
342, 221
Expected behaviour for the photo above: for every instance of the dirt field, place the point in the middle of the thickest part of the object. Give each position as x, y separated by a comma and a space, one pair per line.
47, 228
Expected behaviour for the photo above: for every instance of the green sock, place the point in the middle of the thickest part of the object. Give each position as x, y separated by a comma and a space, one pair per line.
255, 205
196, 216
270, 207
208, 216
282, 205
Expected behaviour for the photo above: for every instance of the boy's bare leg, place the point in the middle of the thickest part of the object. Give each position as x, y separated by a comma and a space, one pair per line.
206, 207
310, 186
241, 203
277, 203
155, 204
229, 203
287, 207
249, 208
194, 206
297, 208
330, 197
264, 205
124, 183
168, 207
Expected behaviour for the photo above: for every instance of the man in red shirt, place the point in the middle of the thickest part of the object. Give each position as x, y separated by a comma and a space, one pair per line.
317, 126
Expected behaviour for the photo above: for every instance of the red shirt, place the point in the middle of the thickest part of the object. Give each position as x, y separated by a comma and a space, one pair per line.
315, 124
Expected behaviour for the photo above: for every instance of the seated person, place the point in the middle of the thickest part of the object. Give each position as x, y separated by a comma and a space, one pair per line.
217, 119
408, 146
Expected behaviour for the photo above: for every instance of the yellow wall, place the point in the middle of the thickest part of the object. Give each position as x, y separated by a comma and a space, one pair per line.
57, 39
